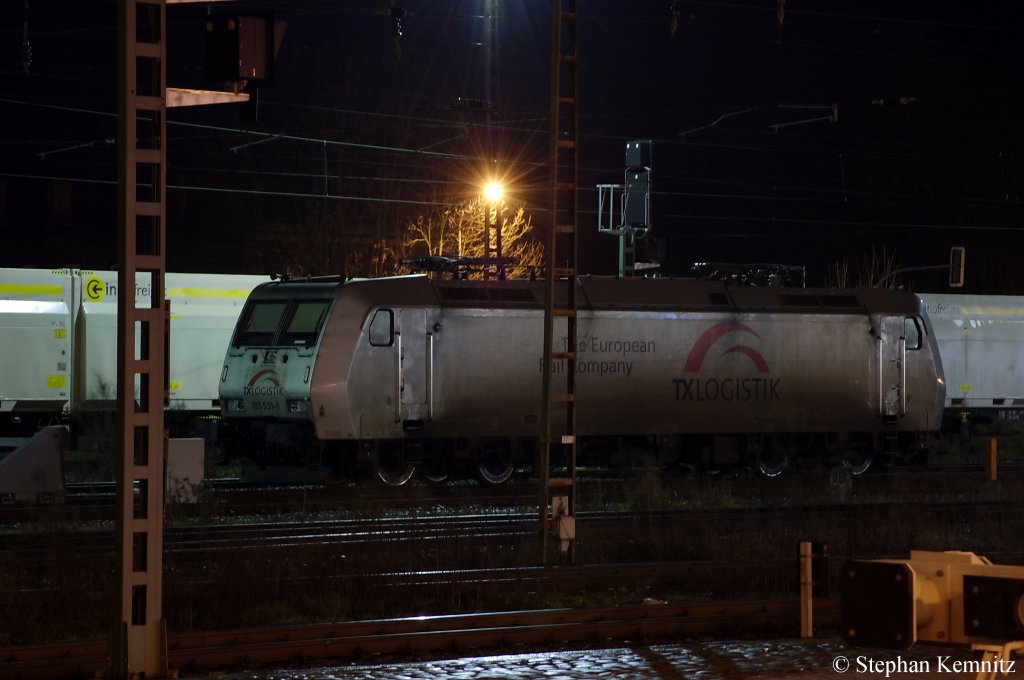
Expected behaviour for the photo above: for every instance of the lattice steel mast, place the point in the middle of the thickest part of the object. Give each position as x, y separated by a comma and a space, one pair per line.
140, 645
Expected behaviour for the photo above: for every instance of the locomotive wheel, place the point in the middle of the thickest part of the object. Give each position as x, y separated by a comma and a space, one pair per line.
435, 467
857, 462
435, 474
435, 477
773, 459
396, 476
392, 468
494, 463
772, 464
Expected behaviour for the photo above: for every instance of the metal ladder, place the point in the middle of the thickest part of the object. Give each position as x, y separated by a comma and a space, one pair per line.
558, 420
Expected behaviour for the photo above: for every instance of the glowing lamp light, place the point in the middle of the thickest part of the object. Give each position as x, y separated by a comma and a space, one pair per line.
493, 192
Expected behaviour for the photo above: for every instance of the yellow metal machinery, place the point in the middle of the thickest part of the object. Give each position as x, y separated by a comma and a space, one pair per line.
558, 413
940, 597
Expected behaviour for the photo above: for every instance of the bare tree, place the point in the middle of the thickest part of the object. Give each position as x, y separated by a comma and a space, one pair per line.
372, 259
460, 231
840, 276
879, 269
875, 269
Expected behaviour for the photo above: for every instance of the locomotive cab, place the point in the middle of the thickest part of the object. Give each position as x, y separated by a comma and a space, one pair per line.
265, 380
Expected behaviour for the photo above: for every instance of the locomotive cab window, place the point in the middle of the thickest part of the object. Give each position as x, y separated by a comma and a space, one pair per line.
382, 328
304, 323
259, 323
912, 333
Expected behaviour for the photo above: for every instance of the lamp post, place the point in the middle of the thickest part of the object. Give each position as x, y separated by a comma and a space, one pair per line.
494, 192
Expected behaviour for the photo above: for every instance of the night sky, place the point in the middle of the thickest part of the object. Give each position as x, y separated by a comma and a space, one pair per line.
925, 150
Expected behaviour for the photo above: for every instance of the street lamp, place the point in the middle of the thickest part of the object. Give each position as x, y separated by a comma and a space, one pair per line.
494, 192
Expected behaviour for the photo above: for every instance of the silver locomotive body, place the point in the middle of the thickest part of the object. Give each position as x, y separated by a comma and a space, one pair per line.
437, 372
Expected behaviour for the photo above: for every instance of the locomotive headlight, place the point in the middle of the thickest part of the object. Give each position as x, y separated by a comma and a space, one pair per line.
298, 406
235, 405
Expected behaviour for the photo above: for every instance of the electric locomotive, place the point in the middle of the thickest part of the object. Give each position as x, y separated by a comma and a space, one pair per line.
444, 376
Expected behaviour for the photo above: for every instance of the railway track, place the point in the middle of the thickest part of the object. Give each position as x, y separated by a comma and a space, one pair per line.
510, 523
411, 637
439, 561
94, 502
402, 582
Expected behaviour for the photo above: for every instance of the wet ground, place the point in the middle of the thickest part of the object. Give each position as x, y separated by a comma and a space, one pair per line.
719, 660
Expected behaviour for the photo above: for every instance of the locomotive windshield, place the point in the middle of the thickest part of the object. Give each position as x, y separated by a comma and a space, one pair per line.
304, 321
259, 323
281, 322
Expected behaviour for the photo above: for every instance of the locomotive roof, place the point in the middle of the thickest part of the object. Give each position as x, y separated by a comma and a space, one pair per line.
309, 289
612, 293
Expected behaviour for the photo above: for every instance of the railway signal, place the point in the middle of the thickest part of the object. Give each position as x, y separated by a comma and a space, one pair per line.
957, 257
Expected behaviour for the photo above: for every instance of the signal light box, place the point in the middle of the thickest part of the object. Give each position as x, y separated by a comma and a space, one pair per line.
241, 48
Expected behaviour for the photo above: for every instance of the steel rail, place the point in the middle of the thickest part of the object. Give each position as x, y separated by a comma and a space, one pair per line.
93, 501
339, 532
409, 637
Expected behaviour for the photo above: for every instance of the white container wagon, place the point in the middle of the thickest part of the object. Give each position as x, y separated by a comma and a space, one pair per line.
58, 331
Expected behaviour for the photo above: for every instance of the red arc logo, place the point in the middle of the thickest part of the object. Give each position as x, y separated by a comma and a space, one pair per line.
700, 349
266, 374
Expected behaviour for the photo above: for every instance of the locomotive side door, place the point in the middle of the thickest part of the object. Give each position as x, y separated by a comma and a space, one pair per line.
413, 362
892, 368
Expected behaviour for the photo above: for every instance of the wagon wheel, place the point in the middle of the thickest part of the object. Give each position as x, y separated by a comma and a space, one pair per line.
392, 468
494, 463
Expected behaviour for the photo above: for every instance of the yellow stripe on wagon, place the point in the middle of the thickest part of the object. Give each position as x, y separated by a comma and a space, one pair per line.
31, 289
993, 311
210, 293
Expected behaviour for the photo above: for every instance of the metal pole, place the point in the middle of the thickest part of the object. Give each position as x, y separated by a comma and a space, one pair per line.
991, 464
488, 251
497, 233
806, 590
